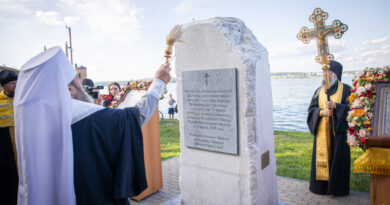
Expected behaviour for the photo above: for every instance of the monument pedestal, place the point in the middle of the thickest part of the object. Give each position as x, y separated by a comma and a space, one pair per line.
226, 127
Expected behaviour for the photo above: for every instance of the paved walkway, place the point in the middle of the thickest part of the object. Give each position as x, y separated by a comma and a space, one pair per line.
290, 191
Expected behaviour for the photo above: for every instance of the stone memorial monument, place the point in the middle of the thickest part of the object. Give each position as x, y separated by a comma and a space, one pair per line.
226, 125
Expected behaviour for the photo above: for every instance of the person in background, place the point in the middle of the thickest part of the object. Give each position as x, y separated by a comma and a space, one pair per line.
89, 87
8, 158
330, 165
171, 109
113, 91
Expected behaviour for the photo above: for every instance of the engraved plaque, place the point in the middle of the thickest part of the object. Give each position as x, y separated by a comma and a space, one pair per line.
264, 160
210, 110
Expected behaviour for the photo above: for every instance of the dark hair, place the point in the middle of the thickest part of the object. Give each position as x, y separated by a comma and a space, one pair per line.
113, 83
88, 82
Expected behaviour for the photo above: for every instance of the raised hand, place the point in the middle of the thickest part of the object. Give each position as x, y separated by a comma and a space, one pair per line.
163, 73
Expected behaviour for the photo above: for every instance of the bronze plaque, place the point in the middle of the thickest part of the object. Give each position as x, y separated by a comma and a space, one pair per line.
264, 160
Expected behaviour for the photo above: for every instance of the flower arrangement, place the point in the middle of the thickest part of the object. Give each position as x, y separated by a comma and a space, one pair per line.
132, 85
362, 101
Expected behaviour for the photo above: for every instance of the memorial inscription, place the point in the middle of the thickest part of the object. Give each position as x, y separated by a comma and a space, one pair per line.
210, 110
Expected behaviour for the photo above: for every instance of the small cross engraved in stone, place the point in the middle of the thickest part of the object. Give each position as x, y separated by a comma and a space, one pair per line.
206, 76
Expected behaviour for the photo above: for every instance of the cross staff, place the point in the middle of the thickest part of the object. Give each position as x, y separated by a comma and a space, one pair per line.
320, 32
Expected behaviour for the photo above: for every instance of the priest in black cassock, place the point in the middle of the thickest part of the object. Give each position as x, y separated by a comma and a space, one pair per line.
71, 150
108, 145
330, 165
8, 161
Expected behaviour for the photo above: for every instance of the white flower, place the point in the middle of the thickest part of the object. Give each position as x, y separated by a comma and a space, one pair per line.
368, 86
370, 115
356, 103
380, 72
350, 124
351, 140
360, 89
362, 133
366, 101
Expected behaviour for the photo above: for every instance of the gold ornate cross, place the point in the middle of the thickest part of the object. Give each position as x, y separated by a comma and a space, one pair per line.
321, 31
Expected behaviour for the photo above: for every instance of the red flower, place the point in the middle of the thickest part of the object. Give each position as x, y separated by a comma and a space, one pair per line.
355, 83
369, 93
106, 97
364, 141
354, 90
351, 130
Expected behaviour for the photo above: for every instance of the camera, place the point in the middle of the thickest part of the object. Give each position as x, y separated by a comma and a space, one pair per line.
90, 88
92, 91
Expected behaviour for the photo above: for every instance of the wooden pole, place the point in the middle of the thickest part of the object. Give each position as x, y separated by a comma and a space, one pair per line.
66, 49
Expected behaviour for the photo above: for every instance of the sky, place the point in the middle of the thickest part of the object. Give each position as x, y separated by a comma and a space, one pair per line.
125, 39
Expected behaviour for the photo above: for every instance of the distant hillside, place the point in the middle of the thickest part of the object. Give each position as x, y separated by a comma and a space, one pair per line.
282, 75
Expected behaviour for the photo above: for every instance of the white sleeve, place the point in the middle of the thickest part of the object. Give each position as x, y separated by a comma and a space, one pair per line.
149, 102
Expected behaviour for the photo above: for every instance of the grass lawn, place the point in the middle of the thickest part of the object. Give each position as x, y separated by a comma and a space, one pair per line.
293, 152
292, 149
169, 139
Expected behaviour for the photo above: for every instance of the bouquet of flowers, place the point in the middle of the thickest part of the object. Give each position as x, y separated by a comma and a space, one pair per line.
361, 102
132, 85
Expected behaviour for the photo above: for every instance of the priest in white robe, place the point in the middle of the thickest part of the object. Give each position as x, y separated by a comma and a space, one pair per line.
72, 151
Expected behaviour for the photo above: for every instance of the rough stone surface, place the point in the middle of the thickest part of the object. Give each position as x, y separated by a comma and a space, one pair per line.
216, 178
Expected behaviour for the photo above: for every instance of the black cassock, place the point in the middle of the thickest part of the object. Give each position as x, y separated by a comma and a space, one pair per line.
8, 172
108, 157
339, 166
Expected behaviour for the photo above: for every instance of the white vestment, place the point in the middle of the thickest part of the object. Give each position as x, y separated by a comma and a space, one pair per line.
43, 116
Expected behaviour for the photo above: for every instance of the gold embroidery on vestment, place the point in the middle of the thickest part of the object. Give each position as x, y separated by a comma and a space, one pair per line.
323, 146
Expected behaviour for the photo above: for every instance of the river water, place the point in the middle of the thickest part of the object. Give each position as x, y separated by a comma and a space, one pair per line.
291, 98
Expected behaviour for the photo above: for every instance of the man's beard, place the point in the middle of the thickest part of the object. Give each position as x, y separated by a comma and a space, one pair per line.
332, 81
83, 96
